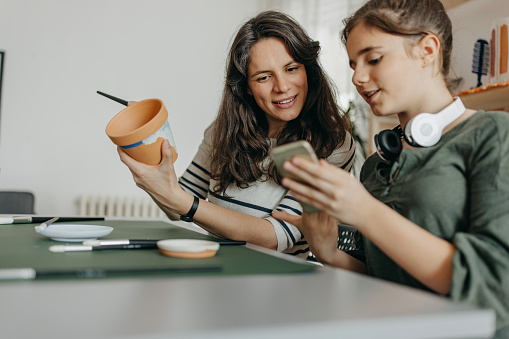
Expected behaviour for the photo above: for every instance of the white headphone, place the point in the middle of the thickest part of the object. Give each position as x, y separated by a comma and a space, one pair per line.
425, 129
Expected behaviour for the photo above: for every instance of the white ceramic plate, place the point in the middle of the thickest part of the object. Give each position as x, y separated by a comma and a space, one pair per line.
75, 232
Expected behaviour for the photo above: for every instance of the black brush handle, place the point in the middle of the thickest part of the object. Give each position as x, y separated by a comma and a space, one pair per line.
121, 101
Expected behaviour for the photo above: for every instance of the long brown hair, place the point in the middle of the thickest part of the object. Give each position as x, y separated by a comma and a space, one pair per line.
411, 19
239, 133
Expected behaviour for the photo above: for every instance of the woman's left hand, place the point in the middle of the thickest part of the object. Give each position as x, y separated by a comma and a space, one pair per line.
320, 231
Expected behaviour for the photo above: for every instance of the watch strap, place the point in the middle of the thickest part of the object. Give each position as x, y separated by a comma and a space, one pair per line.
189, 216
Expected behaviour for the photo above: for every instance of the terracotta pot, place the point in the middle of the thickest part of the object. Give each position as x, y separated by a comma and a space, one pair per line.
140, 129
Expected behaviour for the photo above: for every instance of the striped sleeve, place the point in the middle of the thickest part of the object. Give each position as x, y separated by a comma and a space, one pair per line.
196, 178
288, 236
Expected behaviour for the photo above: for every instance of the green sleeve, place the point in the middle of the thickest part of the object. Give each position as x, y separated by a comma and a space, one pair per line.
481, 261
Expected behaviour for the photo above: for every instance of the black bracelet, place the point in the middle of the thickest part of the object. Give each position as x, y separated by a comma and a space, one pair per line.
189, 216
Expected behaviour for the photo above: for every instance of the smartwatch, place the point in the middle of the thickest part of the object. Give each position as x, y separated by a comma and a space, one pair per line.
189, 216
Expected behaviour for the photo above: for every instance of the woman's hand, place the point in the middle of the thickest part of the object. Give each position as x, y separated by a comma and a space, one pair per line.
329, 189
320, 231
159, 181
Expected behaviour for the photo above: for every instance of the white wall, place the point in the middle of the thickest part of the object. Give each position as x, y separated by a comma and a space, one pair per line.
471, 21
60, 52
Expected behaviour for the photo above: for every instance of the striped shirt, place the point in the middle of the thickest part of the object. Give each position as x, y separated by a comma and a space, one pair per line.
262, 197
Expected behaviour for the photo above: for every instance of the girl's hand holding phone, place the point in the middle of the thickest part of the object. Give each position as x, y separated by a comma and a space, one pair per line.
329, 189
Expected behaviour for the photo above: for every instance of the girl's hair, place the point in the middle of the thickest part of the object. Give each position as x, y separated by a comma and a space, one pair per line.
240, 142
412, 19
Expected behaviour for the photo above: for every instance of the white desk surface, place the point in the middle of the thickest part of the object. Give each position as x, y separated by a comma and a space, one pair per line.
328, 303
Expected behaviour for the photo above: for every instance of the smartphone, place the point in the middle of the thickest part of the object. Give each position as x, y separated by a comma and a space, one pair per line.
282, 153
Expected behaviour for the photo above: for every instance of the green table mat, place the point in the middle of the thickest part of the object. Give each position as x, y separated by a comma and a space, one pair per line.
22, 247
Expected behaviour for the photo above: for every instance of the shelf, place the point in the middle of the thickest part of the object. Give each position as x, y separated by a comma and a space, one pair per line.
488, 98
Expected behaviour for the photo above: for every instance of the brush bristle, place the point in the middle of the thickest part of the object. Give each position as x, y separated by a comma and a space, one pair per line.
481, 60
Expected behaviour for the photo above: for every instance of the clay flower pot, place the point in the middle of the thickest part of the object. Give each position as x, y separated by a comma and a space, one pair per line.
140, 129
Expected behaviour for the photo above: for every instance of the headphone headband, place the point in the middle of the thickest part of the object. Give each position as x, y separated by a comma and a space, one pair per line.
424, 130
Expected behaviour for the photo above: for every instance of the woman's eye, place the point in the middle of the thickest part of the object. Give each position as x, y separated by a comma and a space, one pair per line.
263, 78
293, 69
375, 61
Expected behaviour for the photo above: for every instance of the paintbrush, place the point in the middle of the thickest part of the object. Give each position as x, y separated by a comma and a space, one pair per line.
121, 101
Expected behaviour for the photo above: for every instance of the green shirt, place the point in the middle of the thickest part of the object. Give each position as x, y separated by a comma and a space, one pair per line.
459, 191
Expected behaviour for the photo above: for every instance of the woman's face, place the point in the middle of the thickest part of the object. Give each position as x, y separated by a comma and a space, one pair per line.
385, 75
277, 83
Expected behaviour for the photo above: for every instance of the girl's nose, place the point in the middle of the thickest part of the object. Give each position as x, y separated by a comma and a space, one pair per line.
359, 77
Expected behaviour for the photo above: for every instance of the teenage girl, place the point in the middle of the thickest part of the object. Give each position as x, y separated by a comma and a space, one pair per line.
435, 216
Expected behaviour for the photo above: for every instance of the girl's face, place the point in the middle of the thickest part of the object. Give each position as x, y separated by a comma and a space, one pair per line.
277, 83
385, 74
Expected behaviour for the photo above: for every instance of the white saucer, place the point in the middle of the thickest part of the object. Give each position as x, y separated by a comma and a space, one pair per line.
188, 248
75, 232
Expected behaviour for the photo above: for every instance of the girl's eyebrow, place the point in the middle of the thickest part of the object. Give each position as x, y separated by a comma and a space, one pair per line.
363, 51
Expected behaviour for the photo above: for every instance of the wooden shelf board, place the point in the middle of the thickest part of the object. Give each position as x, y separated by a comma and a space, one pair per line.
493, 98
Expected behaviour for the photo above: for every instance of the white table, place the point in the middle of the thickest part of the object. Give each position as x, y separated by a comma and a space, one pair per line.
328, 303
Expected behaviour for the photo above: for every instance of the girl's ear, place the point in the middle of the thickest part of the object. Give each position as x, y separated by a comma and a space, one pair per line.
429, 48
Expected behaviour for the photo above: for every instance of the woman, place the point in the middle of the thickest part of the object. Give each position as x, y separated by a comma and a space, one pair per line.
436, 217
275, 92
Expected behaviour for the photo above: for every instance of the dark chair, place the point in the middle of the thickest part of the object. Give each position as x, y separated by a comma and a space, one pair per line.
14, 202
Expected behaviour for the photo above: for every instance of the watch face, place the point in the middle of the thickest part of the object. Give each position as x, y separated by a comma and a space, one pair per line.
186, 218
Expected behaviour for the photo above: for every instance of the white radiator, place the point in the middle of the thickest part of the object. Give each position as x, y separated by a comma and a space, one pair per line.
97, 205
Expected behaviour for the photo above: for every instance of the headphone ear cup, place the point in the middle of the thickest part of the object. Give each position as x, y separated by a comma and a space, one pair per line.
423, 130
388, 144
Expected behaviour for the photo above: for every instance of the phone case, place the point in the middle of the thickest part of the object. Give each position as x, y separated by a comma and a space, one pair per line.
282, 153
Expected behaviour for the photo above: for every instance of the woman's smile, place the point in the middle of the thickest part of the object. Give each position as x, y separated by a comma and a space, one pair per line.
285, 103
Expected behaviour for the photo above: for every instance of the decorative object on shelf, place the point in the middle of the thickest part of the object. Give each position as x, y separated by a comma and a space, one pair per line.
499, 51
481, 63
